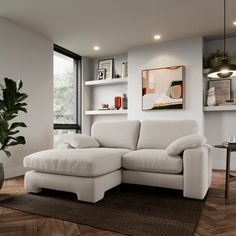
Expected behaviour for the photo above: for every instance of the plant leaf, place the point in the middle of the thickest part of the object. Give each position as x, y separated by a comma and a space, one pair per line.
17, 124
7, 153
18, 140
19, 84
13, 132
23, 109
1, 104
21, 97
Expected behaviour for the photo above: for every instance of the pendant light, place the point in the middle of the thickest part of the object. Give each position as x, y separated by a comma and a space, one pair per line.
224, 70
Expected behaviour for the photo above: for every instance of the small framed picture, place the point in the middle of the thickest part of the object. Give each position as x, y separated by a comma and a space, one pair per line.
101, 73
222, 89
107, 64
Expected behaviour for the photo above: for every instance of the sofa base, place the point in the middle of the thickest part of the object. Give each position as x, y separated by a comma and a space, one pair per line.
86, 189
174, 181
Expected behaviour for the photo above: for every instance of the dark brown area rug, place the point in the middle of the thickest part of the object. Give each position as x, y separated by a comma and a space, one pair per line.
127, 209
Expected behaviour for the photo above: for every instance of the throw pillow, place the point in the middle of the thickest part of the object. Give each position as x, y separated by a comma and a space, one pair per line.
79, 141
186, 142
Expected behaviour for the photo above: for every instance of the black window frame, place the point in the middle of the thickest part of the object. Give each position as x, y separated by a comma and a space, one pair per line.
77, 61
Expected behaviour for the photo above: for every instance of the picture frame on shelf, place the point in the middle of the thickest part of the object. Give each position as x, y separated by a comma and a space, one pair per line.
108, 65
222, 90
163, 88
101, 74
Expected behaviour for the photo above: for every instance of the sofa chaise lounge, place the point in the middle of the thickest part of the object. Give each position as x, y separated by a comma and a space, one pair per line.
167, 154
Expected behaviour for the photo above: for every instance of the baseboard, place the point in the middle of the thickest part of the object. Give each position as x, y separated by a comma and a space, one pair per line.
14, 172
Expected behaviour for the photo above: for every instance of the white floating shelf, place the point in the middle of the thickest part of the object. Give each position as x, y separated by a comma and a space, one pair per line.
106, 82
106, 112
220, 108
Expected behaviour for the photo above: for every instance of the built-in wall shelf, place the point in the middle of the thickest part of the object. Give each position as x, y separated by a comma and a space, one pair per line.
106, 82
106, 112
220, 108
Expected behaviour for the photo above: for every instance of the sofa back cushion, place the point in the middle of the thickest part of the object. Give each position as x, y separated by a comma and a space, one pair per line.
116, 134
159, 134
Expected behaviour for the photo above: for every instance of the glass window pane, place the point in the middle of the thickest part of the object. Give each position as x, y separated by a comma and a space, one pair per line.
59, 132
64, 89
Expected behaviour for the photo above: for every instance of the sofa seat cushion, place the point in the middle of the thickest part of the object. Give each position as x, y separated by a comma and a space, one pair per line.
152, 160
76, 162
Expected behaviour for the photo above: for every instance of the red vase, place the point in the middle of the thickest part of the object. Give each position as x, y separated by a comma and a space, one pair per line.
117, 103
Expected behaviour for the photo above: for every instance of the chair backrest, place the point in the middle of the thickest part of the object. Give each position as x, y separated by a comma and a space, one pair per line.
116, 134
159, 134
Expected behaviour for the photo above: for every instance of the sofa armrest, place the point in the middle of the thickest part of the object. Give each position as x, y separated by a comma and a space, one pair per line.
79, 141
197, 165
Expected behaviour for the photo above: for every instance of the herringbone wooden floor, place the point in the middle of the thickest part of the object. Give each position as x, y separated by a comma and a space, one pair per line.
218, 216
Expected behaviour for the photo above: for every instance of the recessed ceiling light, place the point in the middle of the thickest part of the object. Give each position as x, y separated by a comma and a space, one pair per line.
157, 36
234, 23
96, 48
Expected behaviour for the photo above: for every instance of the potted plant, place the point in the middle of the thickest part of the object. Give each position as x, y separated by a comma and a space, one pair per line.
215, 59
11, 103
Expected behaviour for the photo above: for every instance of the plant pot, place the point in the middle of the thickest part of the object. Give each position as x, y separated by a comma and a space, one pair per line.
1, 175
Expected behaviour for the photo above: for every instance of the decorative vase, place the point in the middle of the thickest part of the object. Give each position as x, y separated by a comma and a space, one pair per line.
1, 175
211, 97
124, 101
124, 70
117, 103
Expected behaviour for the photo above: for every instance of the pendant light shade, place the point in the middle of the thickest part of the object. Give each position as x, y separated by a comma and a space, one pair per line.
224, 70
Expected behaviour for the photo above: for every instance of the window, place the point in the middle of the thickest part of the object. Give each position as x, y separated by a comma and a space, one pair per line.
66, 68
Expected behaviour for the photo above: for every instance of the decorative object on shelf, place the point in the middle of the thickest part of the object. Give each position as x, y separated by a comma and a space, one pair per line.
124, 70
215, 59
222, 89
117, 76
232, 140
163, 88
124, 101
107, 64
211, 97
11, 103
101, 73
117, 102
224, 70
104, 106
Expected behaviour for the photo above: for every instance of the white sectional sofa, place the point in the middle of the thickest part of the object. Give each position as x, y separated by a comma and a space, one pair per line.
157, 153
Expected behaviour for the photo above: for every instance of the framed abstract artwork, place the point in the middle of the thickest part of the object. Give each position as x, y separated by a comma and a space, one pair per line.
163, 88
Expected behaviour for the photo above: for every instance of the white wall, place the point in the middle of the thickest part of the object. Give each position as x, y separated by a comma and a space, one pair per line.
219, 126
185, 52
29, 57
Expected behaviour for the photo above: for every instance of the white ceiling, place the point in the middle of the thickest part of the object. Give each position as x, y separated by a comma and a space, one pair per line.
118, 25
